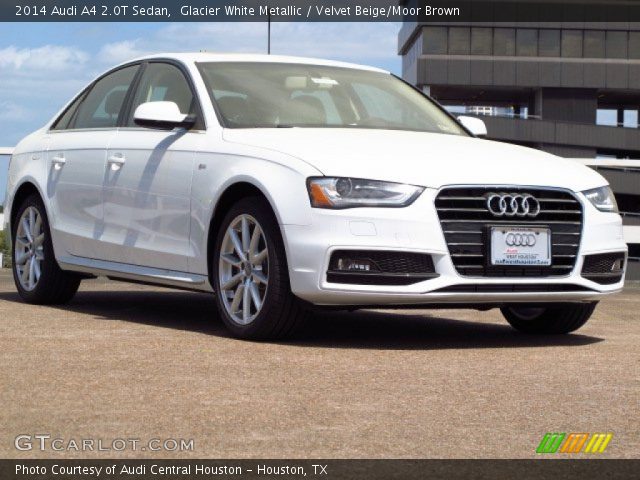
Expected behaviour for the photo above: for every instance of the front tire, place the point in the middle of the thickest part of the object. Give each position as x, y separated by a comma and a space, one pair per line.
562, 319
36, 273
250, 274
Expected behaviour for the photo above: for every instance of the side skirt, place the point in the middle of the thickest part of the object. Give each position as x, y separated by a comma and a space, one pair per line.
136, 274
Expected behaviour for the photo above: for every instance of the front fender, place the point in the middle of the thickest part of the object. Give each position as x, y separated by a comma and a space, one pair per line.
283, 185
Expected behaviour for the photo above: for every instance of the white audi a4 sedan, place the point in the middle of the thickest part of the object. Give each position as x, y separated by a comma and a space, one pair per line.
282, 184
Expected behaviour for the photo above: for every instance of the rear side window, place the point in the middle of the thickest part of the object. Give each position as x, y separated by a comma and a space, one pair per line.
163, 82
102, 106
66, 118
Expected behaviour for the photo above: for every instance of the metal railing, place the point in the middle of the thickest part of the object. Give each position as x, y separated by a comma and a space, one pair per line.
527, 116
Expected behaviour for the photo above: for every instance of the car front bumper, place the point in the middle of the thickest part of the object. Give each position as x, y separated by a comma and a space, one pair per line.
417, 229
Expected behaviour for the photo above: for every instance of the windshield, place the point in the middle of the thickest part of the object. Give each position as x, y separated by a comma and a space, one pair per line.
271, 95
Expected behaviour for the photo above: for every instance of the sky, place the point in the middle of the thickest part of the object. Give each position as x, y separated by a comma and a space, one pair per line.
43, 65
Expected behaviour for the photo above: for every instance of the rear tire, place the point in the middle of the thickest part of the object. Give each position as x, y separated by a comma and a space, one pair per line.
562, 319
36, 273
252, 288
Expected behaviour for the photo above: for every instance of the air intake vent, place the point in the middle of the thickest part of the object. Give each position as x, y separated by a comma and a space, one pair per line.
364, 267
465, 221
605, 269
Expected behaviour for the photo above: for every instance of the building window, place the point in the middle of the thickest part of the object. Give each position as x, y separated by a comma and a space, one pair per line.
481, 41
435, 40
617, 44
607, 117
526, 42
594, 44
630, 119
504, 42
459, 40
572, 43
634, 45
549, 43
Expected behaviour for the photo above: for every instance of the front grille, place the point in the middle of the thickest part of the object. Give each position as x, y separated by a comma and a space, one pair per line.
465, 221
605, 269
513, 288
387, 267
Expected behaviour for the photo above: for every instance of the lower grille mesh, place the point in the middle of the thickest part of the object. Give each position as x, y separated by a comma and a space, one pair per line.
600, 268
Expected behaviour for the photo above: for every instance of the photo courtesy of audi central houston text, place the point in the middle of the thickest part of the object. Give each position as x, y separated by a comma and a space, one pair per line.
280, 184
364, 240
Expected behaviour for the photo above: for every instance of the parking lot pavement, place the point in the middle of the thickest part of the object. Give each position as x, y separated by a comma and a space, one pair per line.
132, 362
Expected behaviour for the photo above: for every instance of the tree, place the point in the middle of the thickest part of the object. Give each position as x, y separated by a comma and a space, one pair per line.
4, 248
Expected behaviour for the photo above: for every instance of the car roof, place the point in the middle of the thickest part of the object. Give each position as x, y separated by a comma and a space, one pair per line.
203, 57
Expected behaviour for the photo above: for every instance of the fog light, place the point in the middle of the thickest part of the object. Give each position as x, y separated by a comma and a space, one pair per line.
618, 265
356, 265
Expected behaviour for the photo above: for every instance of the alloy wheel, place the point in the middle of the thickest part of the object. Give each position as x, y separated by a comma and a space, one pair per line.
29, 248
243, 269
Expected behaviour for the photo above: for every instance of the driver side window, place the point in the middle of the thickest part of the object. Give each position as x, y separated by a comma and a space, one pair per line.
162, 82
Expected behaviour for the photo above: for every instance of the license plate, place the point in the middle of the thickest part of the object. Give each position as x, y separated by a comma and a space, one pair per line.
521, 246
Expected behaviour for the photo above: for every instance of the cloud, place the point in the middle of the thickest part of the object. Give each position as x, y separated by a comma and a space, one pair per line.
359, 42
118, 52
45, 59
11, 111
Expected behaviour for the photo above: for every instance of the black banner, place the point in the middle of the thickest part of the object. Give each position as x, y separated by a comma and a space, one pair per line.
319, 11
320, 469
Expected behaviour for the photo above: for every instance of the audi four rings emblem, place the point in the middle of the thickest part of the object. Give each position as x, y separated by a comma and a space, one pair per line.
513, 204
520, 240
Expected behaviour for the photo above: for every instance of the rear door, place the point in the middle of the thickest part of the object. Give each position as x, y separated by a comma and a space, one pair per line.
77, 162
147, 188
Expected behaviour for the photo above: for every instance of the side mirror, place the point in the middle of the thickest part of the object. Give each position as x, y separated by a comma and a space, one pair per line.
474, 125
162, 115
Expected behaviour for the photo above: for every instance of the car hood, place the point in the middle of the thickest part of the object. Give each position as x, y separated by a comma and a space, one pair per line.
426, 159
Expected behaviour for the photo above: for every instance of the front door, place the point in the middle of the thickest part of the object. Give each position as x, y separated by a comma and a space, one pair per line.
147, 188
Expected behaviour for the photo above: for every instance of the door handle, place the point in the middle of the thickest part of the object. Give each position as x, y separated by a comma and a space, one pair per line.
116, 161
58, 161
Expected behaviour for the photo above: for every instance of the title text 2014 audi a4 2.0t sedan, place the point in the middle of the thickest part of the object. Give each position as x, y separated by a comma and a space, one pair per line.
280, 184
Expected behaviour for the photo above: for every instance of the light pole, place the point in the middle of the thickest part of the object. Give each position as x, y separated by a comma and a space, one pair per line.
269, 33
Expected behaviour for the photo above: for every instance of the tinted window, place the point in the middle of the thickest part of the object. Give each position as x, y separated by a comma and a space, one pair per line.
481, 41
617, 43
435, 40
162, 82
527, 43
504, 41
65, 119
459, 39
594, 44
549, 43
572, 43
634, 45
101, 107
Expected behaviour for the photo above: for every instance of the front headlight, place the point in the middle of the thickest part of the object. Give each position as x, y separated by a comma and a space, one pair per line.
328, 192
603, 199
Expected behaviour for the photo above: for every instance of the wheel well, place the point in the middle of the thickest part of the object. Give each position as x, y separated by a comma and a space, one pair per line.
230, 196
25, 190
